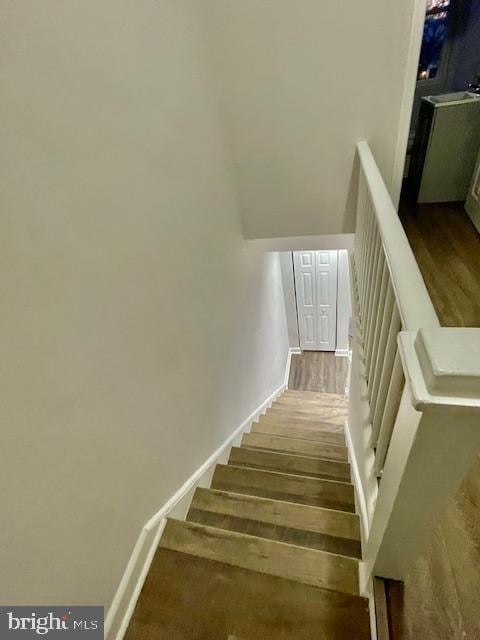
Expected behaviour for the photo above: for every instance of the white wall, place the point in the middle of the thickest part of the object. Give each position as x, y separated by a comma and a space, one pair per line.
139, 329
303, 82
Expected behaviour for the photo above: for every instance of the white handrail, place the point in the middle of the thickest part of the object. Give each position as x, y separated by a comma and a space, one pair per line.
415, 394
414, 303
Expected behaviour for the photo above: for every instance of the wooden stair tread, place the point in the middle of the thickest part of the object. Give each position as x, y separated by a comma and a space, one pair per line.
298, 446
325, 529
316, 395
336, 424
317, 568
289, 514
310, 409
299, 431
188, 597
289, 535
318, 492
309, 405
323, 427
289, 463
326, 414
312, 400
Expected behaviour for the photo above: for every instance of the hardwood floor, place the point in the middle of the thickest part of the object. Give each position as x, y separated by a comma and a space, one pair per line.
318, 371
447, 248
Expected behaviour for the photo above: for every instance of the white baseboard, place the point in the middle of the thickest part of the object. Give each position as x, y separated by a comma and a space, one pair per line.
342, 353
126, 596
291, 352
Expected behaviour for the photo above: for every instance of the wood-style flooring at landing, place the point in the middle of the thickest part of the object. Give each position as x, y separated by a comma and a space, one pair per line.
447, 248
321, 371
270, 551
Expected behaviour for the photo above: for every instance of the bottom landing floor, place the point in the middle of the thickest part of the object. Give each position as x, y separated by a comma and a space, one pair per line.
320, 371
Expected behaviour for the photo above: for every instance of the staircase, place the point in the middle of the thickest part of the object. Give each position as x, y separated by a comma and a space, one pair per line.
271, 550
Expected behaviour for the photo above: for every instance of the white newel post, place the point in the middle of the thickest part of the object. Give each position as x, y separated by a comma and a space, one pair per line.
435, 441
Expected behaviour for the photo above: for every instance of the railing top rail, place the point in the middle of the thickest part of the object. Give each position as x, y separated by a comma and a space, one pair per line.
414, 303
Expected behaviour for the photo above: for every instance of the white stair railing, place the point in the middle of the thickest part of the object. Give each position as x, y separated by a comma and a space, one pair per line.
415, 375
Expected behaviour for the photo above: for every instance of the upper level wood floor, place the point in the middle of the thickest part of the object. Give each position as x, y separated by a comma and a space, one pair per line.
447, 248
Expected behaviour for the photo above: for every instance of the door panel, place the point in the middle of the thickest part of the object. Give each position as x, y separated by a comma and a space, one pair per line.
307, 289
309, 329
316, 290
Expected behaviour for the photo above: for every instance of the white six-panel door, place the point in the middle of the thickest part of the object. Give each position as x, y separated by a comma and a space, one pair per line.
316, 291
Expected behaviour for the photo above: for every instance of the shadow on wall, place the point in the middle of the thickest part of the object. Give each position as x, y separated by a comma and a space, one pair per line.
351, 200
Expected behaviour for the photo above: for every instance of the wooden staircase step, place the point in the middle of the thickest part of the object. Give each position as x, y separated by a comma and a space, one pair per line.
313, 395
299, 431
316, 492
312, 407
297, 446
288, 514
289, 463
314, 527
308, 566
187, 597
325, 401
315, 416
306, 412
336, 424
306, 539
